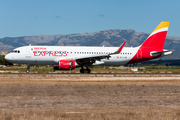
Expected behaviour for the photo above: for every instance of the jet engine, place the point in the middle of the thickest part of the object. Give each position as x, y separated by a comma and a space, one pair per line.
65, 65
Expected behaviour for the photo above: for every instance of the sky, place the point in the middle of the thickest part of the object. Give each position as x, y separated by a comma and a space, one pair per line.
51, 17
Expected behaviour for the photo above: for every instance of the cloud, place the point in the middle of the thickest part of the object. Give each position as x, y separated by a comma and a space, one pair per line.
101, 15
57, 16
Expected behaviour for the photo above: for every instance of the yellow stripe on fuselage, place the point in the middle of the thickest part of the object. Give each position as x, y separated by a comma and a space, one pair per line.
162, 25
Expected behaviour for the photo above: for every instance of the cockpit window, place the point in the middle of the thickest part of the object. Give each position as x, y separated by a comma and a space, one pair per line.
16, 51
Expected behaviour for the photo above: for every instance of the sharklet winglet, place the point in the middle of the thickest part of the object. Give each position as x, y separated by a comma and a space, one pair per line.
120, 49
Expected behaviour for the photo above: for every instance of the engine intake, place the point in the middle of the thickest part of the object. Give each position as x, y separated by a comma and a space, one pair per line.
65, 65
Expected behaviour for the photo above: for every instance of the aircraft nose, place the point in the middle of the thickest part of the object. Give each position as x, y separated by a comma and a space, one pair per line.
7, 57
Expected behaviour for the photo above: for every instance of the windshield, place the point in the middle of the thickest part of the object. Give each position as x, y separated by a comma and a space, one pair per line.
16, 51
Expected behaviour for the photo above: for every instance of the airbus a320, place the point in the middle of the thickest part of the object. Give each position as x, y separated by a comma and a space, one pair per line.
70, 57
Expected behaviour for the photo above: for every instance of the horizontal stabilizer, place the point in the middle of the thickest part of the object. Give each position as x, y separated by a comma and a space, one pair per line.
163, 53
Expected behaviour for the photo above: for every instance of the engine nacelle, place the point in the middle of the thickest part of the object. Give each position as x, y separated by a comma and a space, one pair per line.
65, 65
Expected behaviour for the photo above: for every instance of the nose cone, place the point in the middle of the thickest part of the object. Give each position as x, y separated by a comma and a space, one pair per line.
7, 57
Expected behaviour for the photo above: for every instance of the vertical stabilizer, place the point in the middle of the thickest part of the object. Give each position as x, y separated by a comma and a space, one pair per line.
157, 38
153, 46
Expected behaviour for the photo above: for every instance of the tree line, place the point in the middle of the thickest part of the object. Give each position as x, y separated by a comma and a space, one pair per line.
3, 61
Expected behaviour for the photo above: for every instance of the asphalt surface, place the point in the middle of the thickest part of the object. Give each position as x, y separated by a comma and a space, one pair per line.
98, 74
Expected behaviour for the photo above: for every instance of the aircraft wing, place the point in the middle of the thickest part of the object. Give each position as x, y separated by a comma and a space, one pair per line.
90, 59
95, 57
103, 56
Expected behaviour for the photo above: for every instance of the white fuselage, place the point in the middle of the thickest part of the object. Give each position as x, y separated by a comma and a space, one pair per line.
52, 54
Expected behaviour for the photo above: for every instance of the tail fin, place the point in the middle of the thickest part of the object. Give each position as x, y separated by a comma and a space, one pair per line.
157, 38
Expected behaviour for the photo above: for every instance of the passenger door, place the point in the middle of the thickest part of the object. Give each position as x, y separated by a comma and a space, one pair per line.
28, 52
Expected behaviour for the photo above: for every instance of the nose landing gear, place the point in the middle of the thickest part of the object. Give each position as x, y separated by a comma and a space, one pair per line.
28, 66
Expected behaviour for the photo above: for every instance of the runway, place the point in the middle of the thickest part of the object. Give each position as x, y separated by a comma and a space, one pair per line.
97, 74
96, 77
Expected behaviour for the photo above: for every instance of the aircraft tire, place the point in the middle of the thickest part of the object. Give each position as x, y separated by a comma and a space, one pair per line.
88, 70
27, 71
81, 70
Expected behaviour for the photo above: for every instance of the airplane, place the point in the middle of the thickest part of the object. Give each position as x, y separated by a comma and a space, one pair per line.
70, 57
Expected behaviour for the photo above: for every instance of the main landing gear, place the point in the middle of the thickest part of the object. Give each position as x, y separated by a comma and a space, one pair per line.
28, 66
87, 70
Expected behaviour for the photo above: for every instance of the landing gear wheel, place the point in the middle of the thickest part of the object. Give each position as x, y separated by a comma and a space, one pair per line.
27, 71
81, 70
88, 70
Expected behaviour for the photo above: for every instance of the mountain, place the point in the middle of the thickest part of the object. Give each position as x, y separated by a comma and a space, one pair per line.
114, 37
